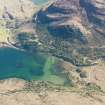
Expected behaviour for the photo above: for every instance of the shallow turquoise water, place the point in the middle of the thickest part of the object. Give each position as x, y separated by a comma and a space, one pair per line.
39, 2
14, 63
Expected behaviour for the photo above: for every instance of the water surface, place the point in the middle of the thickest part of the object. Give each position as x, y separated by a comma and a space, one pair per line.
18, 64
39, 2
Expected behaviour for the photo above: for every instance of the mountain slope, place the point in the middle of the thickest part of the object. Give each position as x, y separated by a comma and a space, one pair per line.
76, 24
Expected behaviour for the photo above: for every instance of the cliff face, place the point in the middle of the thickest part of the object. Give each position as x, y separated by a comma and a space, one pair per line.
80, 21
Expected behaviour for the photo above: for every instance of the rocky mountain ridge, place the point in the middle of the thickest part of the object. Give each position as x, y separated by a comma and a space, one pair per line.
75, 27
82, 21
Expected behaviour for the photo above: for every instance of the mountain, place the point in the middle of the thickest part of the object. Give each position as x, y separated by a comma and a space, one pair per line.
77, 24
67, 18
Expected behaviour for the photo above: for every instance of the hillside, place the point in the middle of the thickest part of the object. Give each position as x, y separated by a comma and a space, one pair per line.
76, 26
52, 53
